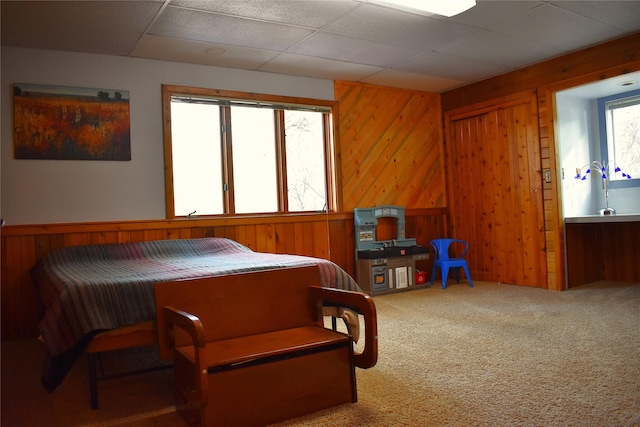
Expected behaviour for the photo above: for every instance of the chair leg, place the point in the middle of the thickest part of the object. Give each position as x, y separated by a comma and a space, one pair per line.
466, 271
445, 273
433, 275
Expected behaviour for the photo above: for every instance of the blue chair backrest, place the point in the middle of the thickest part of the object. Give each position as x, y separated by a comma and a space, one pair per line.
441, 246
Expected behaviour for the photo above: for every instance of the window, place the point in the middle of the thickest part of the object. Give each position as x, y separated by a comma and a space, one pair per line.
234, 153
619, 117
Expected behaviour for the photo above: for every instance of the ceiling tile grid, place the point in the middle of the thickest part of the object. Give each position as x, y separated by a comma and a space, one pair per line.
330, 39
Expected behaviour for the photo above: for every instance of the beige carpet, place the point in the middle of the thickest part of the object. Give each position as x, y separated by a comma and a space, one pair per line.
494, 355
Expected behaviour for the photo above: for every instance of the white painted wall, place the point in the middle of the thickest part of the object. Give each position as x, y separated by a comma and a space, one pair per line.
575, 135
54, 191
579, 141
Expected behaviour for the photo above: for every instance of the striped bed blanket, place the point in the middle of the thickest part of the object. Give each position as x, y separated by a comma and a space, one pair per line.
86, 290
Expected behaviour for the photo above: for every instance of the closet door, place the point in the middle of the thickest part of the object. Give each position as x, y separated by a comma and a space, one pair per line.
495, 190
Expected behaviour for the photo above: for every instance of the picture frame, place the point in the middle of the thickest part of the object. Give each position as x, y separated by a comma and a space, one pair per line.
71, 123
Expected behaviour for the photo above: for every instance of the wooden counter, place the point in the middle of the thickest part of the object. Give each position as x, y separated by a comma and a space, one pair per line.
602, 248
602, 219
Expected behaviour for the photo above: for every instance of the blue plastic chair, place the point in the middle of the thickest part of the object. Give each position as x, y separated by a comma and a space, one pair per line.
442, 260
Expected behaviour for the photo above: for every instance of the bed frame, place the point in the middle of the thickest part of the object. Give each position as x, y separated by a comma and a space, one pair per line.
116, 340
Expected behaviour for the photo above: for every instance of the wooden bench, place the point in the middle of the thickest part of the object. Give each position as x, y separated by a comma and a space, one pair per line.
252, 349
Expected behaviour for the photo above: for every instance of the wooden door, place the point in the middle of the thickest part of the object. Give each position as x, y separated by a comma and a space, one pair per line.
495, 190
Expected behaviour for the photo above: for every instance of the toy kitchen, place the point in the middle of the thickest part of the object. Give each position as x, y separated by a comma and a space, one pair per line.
385, 265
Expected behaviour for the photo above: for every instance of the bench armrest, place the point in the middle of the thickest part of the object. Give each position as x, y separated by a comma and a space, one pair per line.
362, 304
192, 325
188, 322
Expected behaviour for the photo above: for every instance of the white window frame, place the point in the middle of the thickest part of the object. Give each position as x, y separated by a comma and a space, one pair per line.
606, 150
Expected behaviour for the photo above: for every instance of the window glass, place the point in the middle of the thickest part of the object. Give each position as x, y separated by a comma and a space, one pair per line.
623, 135
254, 160
306, 186
197, 167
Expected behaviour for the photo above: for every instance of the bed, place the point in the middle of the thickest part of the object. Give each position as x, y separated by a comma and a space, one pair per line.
101, 297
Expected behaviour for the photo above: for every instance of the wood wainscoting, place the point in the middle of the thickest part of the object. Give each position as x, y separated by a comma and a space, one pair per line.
329, 236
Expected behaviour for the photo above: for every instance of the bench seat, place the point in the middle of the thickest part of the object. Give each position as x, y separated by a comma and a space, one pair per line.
229, 354
251, 349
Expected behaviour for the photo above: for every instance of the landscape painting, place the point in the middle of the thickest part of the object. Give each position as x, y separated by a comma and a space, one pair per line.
68, 123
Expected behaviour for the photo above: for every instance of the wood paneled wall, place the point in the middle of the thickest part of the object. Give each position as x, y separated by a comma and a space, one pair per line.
599, 62
551, 192
391, 147
323, 236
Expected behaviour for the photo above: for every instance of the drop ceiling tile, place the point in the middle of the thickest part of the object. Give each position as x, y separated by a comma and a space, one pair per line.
194, 52
457, 68
498, 49
256, 33
300, 65
383, 25
550, 25
624, 15
99, 27
312, 14
350, 49
400, 79
116, 16
211, 27
72, 40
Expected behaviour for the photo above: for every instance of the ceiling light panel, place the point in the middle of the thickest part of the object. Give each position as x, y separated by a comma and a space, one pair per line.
427, 7
393, 27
